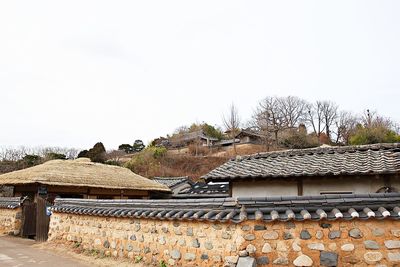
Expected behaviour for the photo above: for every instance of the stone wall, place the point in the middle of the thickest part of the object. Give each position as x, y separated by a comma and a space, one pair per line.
10, 221
201, 243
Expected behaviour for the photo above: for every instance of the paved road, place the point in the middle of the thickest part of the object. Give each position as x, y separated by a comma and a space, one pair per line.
19, 252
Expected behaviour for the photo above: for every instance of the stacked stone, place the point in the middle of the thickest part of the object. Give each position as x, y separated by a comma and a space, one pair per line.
320, 244
251, 243
177, 243
10, 221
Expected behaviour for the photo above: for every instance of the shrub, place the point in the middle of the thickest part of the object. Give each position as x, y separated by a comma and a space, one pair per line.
372, 135
299, 140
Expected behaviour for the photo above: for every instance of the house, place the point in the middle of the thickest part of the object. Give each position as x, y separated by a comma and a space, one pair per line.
248, 136
197, 137
161, 141
227, 142
316, 171
176, 184
183, 187
205, 190
79, 178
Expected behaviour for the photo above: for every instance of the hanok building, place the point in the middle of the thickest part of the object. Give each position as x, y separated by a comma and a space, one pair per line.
176, 184
41, 184
183, 187
198, 138
248, 136
204, 190
316, 171
80, 178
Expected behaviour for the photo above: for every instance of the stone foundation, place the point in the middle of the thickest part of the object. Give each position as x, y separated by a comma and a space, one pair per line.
201, 243
10, 221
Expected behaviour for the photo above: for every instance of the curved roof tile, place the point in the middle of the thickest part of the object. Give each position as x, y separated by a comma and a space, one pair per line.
298, 208
321, 161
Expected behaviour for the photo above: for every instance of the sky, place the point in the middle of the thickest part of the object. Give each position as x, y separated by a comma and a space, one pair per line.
73, 73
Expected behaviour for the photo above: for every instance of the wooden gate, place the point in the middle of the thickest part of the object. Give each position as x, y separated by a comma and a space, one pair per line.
43, 220
29, 219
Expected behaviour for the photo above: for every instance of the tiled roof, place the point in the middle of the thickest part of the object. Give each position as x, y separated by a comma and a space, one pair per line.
227, 142
188, 137
171, 181
200, 189
322, 161
10, 202
248, 132
298, 208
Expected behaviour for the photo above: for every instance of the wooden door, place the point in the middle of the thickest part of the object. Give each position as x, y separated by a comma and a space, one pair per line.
42, 221
29, 219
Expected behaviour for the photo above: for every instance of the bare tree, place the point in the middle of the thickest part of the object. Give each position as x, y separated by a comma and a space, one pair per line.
269, 118
373, 119
115, 155
329, 115
345, 123
321, 116
293, 110
232, 124
14, 154
314, 118
71, 153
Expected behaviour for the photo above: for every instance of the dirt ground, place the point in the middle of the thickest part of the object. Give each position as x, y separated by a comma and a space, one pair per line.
93, 259
15, 251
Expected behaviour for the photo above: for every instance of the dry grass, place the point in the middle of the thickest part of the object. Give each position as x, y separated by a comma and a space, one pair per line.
195, 167
173, 165
241, 149
183, 163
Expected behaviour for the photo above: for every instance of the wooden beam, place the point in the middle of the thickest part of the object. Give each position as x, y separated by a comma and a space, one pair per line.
66, 189
117, 192
387, 181
299, 186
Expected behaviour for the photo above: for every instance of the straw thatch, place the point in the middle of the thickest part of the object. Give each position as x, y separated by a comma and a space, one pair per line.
81, 172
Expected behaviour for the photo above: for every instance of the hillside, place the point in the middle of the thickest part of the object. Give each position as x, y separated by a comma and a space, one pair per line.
182, 162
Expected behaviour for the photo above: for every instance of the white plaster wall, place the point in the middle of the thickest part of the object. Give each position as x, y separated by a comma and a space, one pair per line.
356, 185
312, 186
395, 182
264, 188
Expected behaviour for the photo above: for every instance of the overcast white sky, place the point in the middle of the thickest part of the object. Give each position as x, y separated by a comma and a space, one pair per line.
76, 72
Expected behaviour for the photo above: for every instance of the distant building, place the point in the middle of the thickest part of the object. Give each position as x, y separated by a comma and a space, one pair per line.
316, 171
205, 190
248, 136
183, 187
176, 184
197, 137
228, 142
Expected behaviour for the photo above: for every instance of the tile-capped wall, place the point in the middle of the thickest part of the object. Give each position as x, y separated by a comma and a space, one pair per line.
203, 243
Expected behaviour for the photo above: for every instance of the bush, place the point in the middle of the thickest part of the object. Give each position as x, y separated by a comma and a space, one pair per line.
113, 162
52, 155
126, 147
158, 152
96, 154
372, 135
31, 160
299, 140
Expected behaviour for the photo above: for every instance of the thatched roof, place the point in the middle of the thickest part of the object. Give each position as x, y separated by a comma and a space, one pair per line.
81, 173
